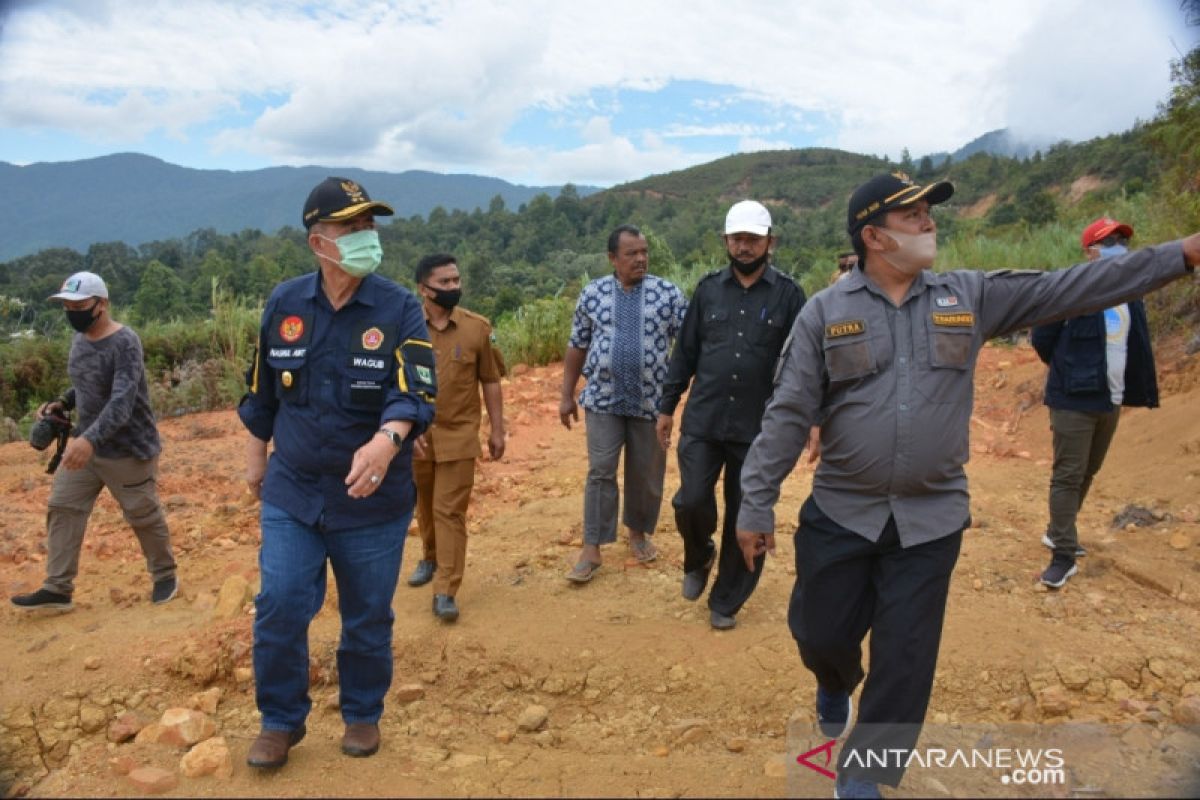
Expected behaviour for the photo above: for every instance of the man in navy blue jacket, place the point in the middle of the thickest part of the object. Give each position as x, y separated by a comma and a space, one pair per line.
1098, 363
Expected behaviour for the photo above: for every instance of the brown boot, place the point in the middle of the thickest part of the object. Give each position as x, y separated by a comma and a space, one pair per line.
361, 739
270, 749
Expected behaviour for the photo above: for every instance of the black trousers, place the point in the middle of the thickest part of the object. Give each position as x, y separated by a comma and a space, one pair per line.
846, 586
700, 464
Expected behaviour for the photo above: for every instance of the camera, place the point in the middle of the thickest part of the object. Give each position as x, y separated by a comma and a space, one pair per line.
54, 427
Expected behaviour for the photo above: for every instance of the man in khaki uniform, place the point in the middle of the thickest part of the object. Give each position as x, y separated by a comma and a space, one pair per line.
444, 464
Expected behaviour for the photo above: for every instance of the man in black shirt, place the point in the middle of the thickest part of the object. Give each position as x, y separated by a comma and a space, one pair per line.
732, 334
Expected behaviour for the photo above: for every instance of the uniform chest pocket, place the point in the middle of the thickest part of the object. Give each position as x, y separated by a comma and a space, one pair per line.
768, 332
950, 348
849, 357
716, 325
365, 378
291, 375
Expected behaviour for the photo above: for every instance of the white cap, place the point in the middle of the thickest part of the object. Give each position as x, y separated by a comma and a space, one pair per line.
81, 286
748, 216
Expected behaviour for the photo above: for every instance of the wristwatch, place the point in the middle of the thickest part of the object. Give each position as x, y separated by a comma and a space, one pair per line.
395, 438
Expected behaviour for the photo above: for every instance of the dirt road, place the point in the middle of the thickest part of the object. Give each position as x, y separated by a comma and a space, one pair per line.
642, 697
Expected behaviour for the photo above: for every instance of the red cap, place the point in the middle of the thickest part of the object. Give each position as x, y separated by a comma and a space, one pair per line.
1102, 228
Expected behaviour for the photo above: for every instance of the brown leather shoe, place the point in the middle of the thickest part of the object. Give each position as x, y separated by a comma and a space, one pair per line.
270, 749
361, 739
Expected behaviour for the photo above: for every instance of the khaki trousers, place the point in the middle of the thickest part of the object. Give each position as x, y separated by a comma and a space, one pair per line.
443, 492
132, 483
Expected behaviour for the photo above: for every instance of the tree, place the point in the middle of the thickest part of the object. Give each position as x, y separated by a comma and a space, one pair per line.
162, 295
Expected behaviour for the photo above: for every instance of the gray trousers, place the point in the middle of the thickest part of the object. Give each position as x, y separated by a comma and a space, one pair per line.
645, 467
1081, 440
132, 483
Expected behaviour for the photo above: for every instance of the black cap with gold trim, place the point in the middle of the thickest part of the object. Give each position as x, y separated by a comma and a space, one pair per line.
339, 199
885, 192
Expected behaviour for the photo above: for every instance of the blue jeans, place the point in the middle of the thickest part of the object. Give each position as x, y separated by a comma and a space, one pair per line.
292, 560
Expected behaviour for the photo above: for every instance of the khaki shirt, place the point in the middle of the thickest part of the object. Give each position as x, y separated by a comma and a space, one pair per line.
466, 358
893, 386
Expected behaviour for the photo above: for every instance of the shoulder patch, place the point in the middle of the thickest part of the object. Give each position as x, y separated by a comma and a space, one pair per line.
1000, 273
845, 328
960, 319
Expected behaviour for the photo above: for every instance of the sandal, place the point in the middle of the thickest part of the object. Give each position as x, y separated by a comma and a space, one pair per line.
583, 571
643, 550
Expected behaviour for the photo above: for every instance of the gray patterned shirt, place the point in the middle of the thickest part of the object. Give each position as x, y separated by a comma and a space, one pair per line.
111, 396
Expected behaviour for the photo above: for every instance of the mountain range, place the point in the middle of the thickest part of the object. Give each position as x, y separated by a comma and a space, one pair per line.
136, 198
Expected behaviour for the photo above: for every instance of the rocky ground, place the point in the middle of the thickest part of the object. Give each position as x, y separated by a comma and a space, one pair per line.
618, 687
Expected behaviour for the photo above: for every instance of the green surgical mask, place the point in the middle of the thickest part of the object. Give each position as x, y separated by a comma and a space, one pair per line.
360, 252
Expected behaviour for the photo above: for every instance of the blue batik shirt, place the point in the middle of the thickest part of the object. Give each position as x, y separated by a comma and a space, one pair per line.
627, 335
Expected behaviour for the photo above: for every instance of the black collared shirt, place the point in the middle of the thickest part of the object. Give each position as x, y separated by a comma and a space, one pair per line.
727, 349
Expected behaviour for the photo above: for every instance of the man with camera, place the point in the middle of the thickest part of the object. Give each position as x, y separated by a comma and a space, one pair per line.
115, 444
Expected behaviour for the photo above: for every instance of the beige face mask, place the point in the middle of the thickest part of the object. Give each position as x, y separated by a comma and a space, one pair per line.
914, 251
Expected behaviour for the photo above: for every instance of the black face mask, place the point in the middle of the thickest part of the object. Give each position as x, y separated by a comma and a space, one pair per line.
749, 268
82, 319
446, 298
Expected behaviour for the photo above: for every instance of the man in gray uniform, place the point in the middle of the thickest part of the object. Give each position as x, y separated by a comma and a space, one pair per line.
884, 360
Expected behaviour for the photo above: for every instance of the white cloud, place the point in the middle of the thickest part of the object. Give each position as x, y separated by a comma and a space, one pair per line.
438, 85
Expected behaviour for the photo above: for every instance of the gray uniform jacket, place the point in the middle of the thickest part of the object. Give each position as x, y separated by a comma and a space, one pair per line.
893, 387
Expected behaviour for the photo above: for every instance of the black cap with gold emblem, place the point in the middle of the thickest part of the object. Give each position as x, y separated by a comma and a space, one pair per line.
338, 199
885, 192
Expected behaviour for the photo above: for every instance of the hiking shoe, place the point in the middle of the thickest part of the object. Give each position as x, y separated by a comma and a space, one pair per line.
423, 573
833, 712
164, 591
853, 787
444, 608
1079, 549
42, 599
1061, 568
695, 581
722, 622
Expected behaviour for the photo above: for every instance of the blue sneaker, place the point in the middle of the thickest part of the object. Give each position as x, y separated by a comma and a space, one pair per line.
833, 712
853, 787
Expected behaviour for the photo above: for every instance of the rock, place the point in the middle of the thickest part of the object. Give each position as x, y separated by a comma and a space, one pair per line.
149, 734
206, 701
429, 676
209, 757
232, 597
735, 745
409, 693
1180, 541
153, 780
662, 751
243, 675
532, 718
92, 662
1187, 711
184, 727
1074, 675
1118, 690
1190, 689
504, 737
125, 727
1054, 701
122, 765
92, 717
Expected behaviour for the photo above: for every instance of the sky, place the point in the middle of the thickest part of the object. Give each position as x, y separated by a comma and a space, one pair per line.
547, 92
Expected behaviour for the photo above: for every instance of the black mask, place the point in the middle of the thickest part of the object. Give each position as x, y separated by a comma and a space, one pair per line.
82, 319
749, 268
446, 298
